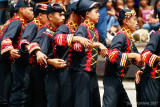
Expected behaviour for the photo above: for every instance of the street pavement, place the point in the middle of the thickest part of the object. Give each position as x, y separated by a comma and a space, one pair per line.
129, 85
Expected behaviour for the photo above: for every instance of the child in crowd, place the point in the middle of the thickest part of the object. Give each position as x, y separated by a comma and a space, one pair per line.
145, 12
130, 4
119, 4
110, 14
153, 23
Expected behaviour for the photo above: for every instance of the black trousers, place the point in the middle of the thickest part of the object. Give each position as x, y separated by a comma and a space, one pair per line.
5, 82
38, 95
52, 88
114, 93
85, 89
20, 94
148, 92
58, 88
65, 88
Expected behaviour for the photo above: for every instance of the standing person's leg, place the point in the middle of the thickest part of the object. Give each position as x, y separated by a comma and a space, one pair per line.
150, 92
65, 85
94, 87
138, 92
80, 89
20, 94
38, 87
5, 82
111, 91
52, 88
123, 100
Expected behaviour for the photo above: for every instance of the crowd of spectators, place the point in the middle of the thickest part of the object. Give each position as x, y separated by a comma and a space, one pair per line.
147, 16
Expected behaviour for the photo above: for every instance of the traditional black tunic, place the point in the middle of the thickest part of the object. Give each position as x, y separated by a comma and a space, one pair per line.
149, 87
83, 67
117, 66
10, 36
23, 67
64, 75
52, 81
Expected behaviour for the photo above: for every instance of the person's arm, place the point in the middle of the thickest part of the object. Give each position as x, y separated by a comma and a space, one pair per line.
44, 45
34, 45
148, 55
57, 63
138, 75
10, 33
140, 12
27, 36
104, 47
63, 38
112, 12
116, 56
81, 44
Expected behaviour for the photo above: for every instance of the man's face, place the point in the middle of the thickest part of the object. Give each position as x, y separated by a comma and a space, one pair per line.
57, 18
27, 13
132, 23
43, 18
93, 15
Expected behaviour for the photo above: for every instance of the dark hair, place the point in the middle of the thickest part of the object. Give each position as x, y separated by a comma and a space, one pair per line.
120, 22
149, 1
36, 11
83, 14
12, 13
102, 3
56, 8
67, 14
133, 1
115, 4
155, 8
16, 10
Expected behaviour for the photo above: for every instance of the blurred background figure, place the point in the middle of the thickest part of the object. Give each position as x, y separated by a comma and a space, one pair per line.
3, 10
153, 23
130, 4
145, 12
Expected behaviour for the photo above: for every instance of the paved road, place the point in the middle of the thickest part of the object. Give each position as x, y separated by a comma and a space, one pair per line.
130, 88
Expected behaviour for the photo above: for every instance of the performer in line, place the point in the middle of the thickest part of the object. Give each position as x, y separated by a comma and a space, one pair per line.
122, 54
148, 89
24, 65
83, 61
10, 39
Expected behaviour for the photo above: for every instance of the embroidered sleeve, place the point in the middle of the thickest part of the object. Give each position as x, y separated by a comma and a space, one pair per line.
148, 55
116, 56
6, 45
81, 31
10, 33
63, 39
27, 36
33, 47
